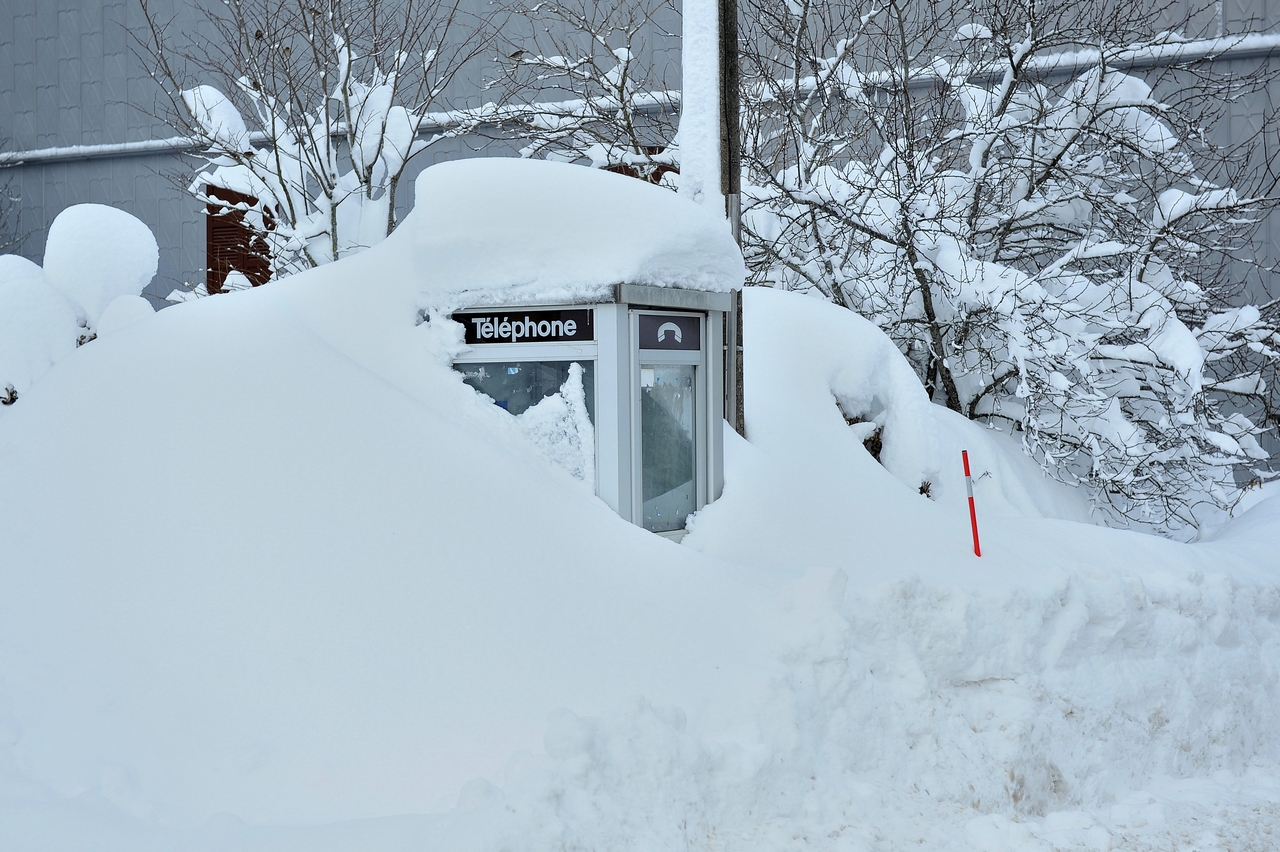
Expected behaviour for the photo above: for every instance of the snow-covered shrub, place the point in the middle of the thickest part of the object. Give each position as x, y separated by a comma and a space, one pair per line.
1053, 246
96, 253
316, 111
37, 326
123, 311
94, 256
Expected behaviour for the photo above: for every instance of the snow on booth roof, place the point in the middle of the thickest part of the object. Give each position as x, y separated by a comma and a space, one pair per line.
519, 231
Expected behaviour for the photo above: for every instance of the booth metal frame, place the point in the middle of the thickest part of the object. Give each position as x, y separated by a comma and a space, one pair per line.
618, 360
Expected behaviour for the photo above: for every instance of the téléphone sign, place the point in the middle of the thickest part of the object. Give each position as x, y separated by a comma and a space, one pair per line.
562, 326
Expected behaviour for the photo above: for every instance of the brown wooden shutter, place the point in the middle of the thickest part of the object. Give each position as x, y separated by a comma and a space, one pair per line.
232, 244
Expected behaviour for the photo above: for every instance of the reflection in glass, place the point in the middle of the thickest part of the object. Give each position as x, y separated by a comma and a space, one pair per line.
517, 385
667, 481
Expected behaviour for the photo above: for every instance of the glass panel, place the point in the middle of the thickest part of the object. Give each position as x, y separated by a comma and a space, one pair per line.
517, 385
668, 479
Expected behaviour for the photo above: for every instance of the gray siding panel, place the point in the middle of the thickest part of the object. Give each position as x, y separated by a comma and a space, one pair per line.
133, 184
68, 76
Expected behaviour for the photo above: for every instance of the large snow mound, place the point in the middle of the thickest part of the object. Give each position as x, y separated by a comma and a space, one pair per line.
268, 562
245, 574
534, 230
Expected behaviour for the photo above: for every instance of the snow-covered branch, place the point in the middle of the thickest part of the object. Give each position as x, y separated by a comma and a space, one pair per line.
581, 80
306, 115
1031, 217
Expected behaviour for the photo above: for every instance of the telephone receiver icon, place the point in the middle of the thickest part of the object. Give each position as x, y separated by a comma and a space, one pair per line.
671, 327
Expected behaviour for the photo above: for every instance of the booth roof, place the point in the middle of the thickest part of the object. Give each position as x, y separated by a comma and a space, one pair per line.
491, 231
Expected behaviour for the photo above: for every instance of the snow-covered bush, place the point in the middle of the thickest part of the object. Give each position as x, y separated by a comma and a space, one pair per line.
1055, 247
309, 113
94, 256
123, 311
37, 326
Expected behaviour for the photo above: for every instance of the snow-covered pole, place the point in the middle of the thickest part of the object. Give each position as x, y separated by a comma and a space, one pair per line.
973, 513
731, 186
730, 143
700, 133
709, 164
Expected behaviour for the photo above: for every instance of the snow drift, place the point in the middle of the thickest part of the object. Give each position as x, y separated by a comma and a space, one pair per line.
268, 561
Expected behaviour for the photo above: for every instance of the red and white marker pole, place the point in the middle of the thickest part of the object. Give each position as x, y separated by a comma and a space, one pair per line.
973, 513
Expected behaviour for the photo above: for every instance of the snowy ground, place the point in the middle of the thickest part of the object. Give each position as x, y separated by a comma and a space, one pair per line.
275, 579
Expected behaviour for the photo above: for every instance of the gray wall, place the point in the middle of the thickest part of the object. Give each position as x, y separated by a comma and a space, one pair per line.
71, 74
68, 76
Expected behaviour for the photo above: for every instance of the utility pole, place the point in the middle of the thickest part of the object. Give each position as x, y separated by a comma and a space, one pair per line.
710, 159
731, 187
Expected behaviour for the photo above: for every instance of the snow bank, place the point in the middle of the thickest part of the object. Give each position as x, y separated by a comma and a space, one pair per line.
246, 573
921, 714
811, 366
544, 231
268, 562
1044, 697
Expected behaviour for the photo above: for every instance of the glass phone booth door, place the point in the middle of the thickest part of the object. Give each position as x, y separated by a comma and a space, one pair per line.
670, 415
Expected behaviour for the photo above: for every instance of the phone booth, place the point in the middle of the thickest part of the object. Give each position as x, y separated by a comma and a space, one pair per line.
652, 376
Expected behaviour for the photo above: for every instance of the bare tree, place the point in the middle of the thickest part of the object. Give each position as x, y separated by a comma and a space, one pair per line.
579, 80
11, 234
307, 111
1023, 195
